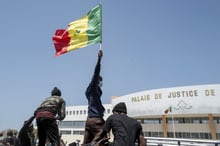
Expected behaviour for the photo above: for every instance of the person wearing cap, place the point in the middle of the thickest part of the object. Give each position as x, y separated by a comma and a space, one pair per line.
126, 130
51, 109
94, 121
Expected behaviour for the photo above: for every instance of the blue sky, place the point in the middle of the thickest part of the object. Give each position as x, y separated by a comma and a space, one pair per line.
147, 44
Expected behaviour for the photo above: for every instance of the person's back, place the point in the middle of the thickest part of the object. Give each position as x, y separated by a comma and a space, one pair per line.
121, 126
50, 110
126, 130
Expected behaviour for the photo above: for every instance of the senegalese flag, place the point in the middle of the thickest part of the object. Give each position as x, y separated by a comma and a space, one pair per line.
80, 33
168, 110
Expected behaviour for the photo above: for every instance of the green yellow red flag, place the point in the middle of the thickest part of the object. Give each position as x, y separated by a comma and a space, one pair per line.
80, 33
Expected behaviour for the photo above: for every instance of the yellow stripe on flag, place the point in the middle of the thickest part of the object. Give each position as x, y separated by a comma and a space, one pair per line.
78, 35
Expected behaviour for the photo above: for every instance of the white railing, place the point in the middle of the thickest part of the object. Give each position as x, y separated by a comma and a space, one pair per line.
157, 141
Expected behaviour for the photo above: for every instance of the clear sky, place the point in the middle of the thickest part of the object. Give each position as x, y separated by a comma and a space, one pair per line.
147, 44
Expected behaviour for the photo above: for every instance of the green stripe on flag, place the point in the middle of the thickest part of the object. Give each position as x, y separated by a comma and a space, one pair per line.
94, 31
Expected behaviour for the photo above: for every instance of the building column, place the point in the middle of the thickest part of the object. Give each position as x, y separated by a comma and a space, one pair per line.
212, 127
164, 122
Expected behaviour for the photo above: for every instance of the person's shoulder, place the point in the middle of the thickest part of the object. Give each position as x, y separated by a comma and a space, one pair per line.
112, 116
61, 98
120, 117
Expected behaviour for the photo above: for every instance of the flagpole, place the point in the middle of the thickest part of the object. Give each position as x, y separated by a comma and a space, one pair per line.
174, 131
100, 46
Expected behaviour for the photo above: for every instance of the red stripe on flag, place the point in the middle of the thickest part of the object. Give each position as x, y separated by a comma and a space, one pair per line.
61, 41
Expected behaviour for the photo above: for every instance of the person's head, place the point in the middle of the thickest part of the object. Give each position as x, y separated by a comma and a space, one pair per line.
120, 108
100, 81
56, 92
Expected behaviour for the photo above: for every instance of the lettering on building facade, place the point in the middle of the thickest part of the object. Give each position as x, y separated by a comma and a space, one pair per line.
173, 95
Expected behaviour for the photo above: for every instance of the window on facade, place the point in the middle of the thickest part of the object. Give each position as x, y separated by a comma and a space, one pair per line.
200, 120
194, 135
67, 132
184, 134
170, 134
109, 111
171, 120
78, 133
147, 134
178, 134
153, 134
190, 135
70, 112
195, 120
65, 123
180, 120
152, 121
79, 123
218, 135
73, 112
205, 120
216, 120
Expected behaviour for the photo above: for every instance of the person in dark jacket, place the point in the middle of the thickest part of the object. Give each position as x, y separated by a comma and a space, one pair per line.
126, 130
51, 109
95, 121
25, 133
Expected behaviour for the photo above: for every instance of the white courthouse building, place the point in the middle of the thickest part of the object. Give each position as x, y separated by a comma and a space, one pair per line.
72, 127
194, 112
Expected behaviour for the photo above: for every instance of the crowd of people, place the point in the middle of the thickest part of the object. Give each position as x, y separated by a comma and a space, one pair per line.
126, 130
